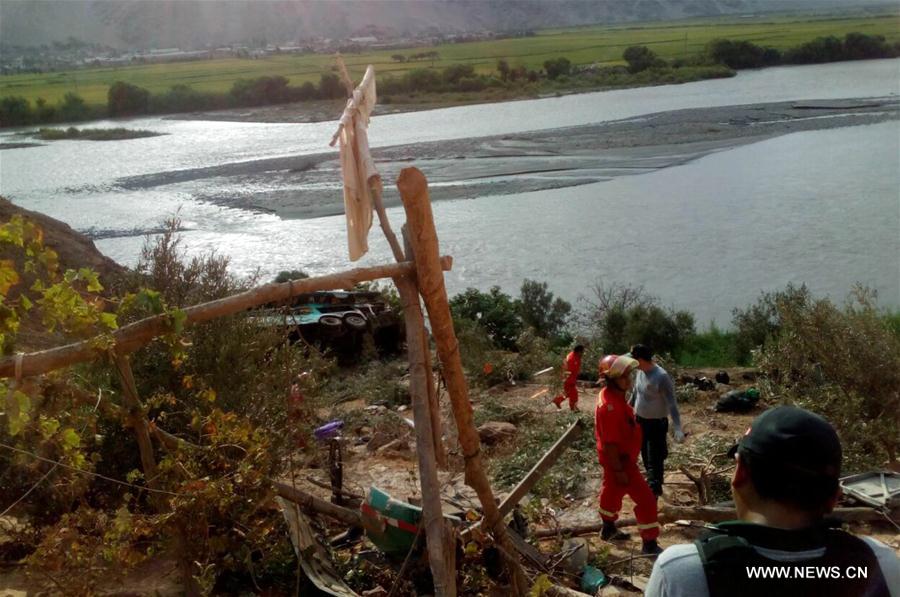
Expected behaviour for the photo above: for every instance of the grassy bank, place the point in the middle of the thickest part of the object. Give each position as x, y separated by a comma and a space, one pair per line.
601, 45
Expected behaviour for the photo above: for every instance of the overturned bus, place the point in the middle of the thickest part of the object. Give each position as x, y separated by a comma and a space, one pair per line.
343, 322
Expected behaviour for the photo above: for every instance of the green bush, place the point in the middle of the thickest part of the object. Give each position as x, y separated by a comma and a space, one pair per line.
712, 348
493, 311
761, 320
557, 67
640, 58
620, 316
843, 363
15, 111
738, 54
124, 99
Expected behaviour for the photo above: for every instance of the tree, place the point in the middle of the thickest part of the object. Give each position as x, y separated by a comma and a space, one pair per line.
742, 54
558, 67
859, 46
15, 111
125, 99
641, 58
452, 74
821, 49
542, 311
496, 312
73, 107
503, 69
330, 87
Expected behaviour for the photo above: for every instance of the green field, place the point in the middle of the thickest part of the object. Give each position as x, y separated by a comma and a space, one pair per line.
583, 45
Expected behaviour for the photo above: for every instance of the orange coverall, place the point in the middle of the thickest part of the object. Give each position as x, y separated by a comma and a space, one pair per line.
615, 424
572, 365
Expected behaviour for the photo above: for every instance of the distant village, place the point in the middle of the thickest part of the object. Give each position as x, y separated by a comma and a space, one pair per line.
74, 53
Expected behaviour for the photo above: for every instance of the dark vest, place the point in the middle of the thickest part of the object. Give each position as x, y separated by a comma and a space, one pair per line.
727, 553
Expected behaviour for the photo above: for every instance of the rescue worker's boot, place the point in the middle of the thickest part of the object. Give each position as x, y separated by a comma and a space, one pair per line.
651, 548
609, 532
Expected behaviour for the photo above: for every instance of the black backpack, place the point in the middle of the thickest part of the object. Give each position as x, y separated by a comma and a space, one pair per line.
733, 567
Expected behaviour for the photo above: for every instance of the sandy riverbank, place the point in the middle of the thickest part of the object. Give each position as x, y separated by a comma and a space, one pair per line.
308, 186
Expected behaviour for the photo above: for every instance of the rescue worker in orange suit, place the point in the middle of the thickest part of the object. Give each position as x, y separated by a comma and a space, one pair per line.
618, 446
571, 369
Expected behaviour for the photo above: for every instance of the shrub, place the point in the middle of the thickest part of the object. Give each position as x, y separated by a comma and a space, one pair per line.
294, 274
742, 54
423, 79
183, 98
641, 58
761, 321
557, 67
125, 99
330, 87
452, 74
821, 49
73, 107
859, 46
619, 316
843, 363
15, 111
493, 311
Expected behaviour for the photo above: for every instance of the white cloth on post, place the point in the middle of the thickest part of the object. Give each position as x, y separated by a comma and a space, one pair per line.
357, 166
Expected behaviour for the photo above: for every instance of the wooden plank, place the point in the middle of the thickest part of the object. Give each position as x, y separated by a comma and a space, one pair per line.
311, 503
133, 336
538, 471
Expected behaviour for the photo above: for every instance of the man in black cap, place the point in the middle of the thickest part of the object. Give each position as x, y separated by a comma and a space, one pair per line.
784, 485
653, 399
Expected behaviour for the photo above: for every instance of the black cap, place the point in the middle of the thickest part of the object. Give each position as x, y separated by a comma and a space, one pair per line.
639, 351
794, 439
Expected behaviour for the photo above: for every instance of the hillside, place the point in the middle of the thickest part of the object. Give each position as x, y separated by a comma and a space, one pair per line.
194, 24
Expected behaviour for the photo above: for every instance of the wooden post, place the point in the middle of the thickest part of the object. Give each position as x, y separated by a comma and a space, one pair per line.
137, 417
419, 382
141, 426
430, 280
434, 407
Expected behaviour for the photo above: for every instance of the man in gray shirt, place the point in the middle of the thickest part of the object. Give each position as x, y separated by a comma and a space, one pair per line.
653, 398
785, 484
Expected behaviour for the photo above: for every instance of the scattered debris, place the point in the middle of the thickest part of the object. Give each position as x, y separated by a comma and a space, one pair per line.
876, 489
738, 401
314, 558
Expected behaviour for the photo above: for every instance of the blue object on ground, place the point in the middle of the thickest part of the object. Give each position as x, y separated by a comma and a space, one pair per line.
592, 579
329, 430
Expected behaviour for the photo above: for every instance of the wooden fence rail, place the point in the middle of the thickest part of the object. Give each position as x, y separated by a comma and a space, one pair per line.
135, 335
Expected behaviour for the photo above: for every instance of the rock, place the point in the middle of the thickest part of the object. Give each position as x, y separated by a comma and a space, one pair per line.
723, 377
494, 432
579, 557
379, 439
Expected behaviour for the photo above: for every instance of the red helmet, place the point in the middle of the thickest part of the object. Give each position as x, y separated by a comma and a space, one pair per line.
613, 366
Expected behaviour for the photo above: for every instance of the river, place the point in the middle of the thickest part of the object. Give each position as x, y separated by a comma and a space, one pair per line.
821, 207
